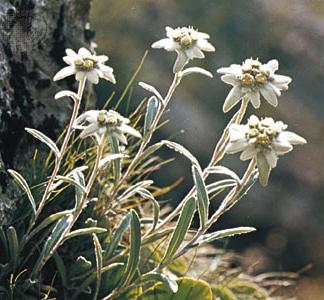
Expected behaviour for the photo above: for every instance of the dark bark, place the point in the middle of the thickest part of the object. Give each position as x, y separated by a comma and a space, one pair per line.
33, 37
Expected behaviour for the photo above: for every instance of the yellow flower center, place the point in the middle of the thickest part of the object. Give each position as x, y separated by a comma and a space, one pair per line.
86, 64
262, 133
108, 120
252, 74
185, 37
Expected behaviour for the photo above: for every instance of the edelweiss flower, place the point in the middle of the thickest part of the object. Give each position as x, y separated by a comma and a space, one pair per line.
85, 65
252, 78
263, 140
102, 122
187, 42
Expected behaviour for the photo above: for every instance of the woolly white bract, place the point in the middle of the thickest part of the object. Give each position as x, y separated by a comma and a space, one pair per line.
187, 42
252, 78
85, 66
263, 140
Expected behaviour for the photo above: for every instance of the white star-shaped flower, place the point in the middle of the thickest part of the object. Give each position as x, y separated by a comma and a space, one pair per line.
264, 140
85, 65
252, 78
103, 122
187, 42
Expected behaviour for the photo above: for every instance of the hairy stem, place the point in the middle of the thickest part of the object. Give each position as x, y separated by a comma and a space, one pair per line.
78, 210
226, 203
218, 154
146, 140
59, 159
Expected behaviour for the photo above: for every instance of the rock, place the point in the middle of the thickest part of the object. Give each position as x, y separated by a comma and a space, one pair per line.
33, 37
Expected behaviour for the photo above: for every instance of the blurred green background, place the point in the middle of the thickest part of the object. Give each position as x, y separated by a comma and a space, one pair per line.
289, 213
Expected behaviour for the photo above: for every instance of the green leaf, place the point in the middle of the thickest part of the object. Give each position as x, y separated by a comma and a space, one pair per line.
156, 236
22, 183
93, 276
53, 241
49, 220
153, 276
220, 185
61, 268
133, 189
223, 293
13, 245
181, 228
114, 146
118, 235
72, 181
107, 159
188, 289
194, 70
210, 237
151, 89
134, 252
182, 150
152, 109
45, 139
98, 255
4, 242
156, 207
224, 171
85, 231
79, 192
146, 153
202, 195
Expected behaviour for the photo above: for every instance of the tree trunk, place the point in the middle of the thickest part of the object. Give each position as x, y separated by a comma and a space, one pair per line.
33, 37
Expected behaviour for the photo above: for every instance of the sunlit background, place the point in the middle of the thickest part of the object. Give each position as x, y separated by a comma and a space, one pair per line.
289, 213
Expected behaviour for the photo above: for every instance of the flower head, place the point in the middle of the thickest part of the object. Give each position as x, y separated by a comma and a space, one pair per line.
102, 122
85, 66
252, 78
187, 42
264, 140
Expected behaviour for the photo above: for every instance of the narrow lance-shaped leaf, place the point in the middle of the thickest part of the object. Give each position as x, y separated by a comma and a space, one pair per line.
106, 160
45, 139
133, 189
202, 195
181, 228
134, 251
98, 255
22, 183
92, 277
223, 170
53, 241
196, 70
49, 220
72, 181
80, 189
118, 235
85, 231
152, 109
151, 89
71, 174
153, 276
114, 145
218, 186
210, 237
13, 245
150, 150
61, 269
182, 150
156, 207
